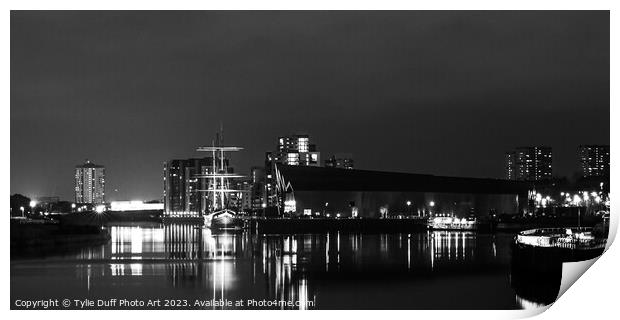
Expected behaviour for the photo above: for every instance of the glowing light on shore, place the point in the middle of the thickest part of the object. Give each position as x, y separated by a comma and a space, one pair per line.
100, 209
135, 206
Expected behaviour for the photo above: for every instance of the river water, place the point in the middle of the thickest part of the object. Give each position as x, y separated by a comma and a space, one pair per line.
193, 267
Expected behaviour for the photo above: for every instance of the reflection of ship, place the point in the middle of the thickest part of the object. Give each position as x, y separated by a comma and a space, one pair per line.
535, 287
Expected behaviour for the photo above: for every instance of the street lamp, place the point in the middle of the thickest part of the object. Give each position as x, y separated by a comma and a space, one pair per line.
408, 207
100, 209
32, 205
22, 210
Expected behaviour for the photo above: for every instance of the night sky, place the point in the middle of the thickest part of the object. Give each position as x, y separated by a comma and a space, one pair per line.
443, 93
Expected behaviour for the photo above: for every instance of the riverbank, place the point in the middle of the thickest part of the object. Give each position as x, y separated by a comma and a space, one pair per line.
110, 217
396, 225
321, 225
41, 236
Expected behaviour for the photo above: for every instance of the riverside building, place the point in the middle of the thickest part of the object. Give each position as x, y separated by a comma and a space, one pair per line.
89, 183
321, 191
529, 164
594, 160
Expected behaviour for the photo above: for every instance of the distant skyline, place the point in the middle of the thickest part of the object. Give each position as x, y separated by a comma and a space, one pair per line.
445, 93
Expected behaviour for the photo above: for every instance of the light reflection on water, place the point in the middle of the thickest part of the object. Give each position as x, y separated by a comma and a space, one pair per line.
404, 271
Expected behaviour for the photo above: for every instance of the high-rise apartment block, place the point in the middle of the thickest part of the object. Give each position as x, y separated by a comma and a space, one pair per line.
89, 183
182, 189
510, 165
594, 160
295, 150
529, 164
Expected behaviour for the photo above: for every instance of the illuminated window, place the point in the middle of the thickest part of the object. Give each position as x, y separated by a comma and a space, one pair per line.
303, 144
292, 159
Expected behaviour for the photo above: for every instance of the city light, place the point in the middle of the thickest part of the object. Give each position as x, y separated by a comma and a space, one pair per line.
408, 203
135, 206
100, 208
290, 206
432, 203
33, 204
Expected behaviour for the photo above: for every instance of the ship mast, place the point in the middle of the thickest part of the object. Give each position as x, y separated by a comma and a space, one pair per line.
218, 178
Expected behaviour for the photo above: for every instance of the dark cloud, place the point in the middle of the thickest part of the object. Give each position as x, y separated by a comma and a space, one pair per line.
432, 92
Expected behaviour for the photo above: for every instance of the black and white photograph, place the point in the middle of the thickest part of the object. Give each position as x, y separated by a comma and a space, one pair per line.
306, 160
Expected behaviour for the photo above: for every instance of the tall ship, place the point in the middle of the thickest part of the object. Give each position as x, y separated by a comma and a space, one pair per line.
219, 215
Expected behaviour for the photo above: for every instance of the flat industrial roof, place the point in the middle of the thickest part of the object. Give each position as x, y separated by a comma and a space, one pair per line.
307, 178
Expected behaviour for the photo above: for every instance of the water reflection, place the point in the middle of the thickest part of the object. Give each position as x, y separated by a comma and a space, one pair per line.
333, 270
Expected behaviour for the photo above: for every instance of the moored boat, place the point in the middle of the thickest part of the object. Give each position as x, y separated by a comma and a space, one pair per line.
542, 250
224, 220
453, 223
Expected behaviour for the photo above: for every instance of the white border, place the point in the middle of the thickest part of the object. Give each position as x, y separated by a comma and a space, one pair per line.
593, 296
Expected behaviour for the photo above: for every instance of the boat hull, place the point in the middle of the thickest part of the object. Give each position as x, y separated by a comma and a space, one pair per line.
234, 224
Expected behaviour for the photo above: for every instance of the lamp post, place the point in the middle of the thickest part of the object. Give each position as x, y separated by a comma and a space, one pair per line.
409, 208
22, 210
33, 204
431, 204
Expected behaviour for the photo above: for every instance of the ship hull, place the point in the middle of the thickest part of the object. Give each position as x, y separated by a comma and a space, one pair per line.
234, 224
